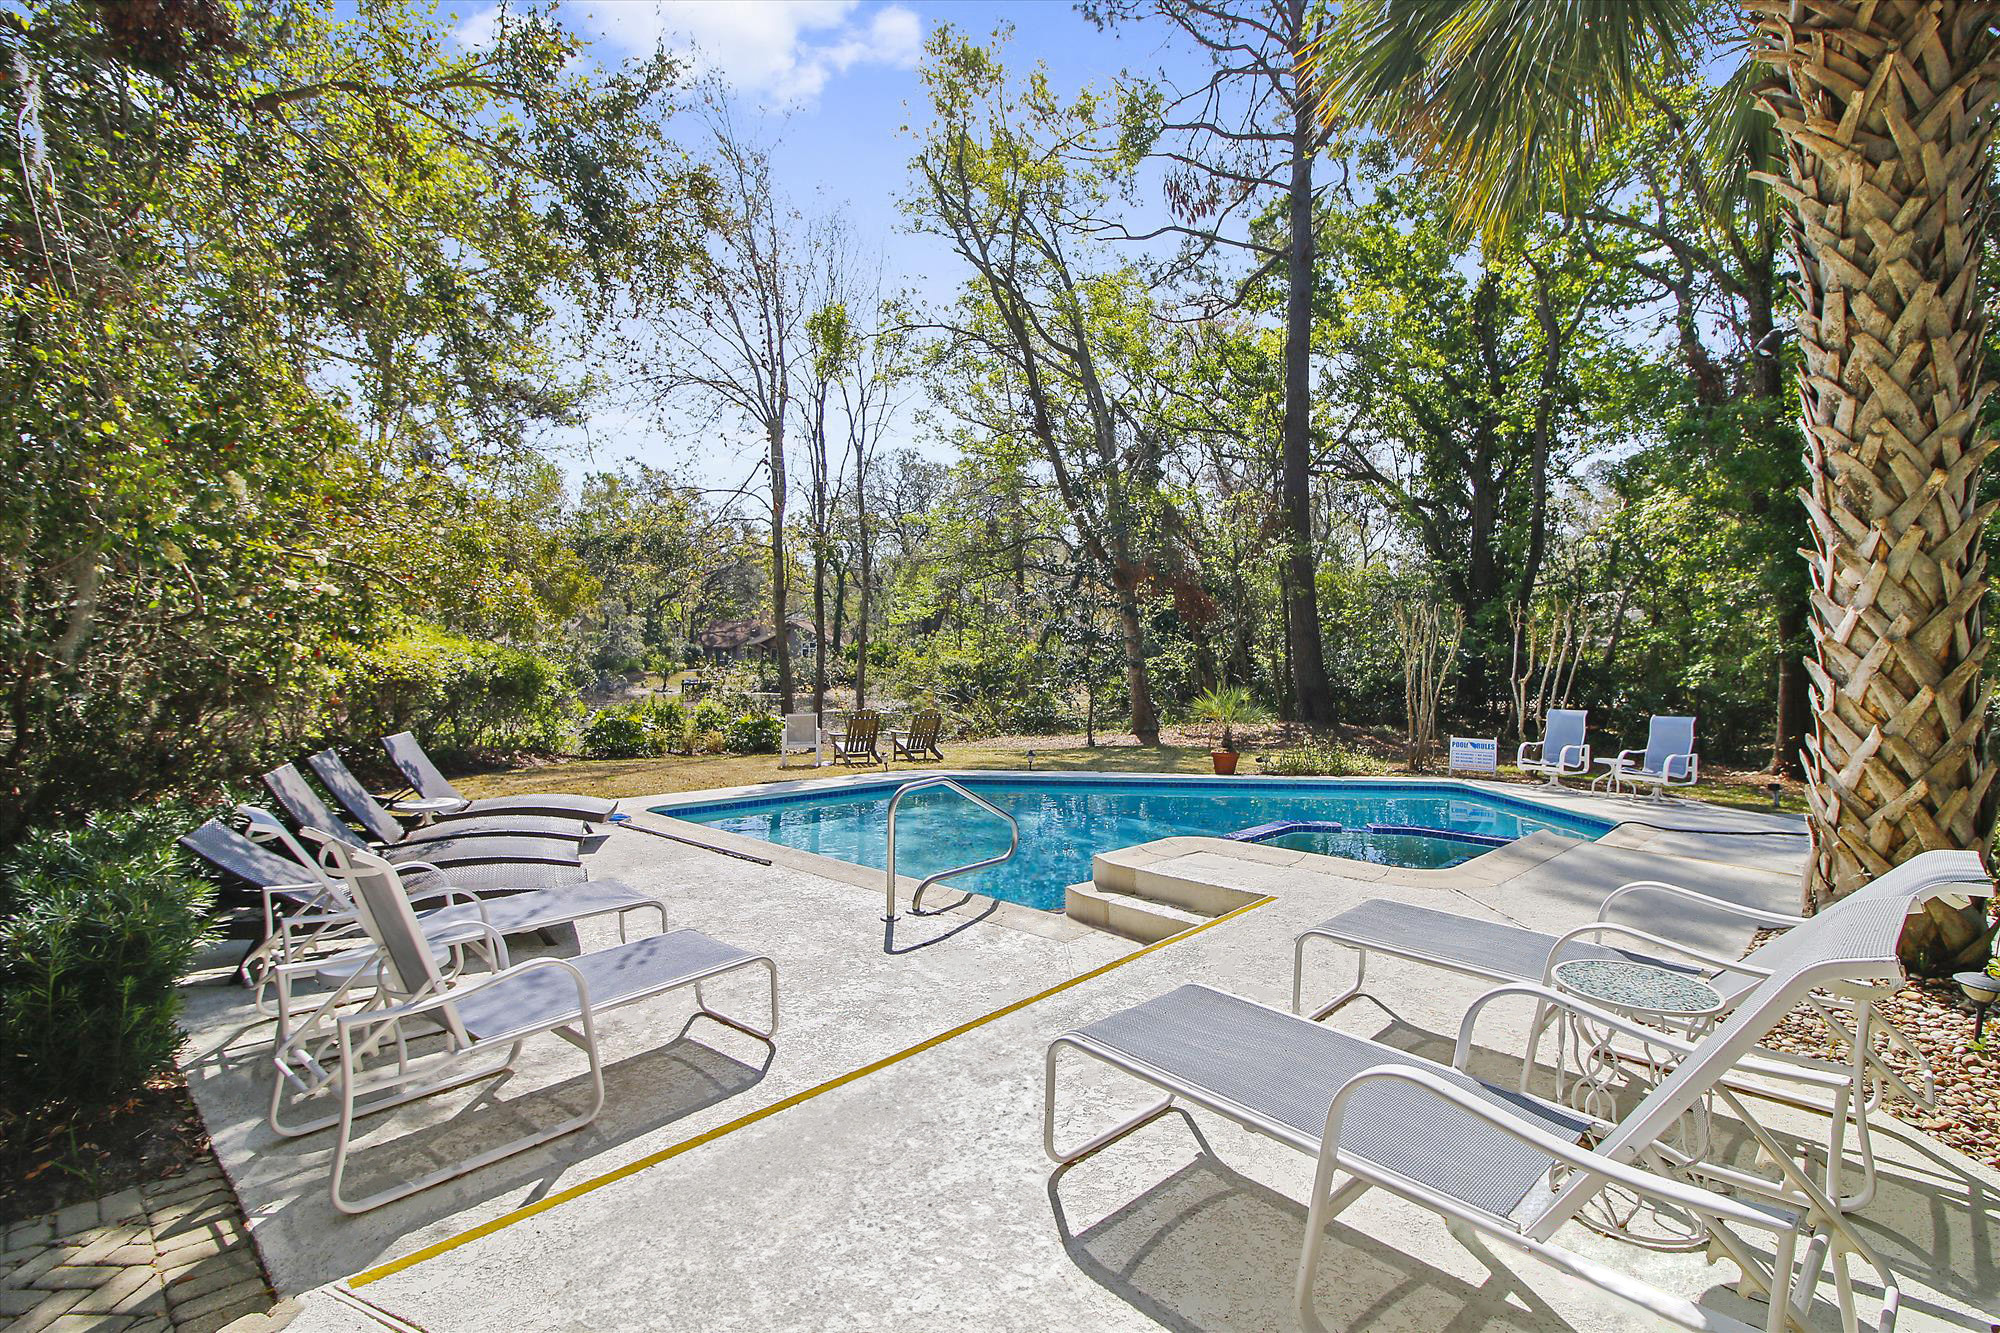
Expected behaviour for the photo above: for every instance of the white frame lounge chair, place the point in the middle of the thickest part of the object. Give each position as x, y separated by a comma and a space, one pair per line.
349, 792
802, 736
1669, 759
431, 786
1491, 1159
312, 932
1566, 731
309, 814
426, 1029
1498, 952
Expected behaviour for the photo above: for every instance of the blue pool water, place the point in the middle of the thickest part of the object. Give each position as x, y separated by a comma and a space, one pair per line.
1064, 820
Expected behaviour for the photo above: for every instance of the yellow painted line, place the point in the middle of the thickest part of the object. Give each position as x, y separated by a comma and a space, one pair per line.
583, 1187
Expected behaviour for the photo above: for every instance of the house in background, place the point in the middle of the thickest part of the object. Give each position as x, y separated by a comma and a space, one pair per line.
743, 640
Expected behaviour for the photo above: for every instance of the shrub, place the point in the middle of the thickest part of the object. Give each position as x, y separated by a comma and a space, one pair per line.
461, 694
97, 924
1320, 759
708, 740
755, 733
710, 715
618, 736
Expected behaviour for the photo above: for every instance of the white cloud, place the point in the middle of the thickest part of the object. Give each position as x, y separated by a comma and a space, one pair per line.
783, 51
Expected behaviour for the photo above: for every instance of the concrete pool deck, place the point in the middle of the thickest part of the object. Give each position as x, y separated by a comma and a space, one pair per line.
915, 1193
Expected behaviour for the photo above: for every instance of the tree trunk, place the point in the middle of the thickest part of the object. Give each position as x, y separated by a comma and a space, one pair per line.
1145, 720
1313, 701
1794, 712
1885, 113
781, 643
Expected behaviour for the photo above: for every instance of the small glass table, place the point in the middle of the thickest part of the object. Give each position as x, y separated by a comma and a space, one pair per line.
428, 808
1678, 1003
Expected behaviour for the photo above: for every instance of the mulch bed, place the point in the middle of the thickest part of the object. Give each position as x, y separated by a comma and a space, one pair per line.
1935, 1017
46, 1165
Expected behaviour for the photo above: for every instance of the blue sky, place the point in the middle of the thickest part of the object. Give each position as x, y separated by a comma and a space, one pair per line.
833, 82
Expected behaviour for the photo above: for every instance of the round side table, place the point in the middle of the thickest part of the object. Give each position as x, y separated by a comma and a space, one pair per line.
1678, 1003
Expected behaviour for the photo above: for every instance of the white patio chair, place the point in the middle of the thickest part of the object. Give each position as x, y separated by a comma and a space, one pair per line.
1494, 1161
428, 1027
1667, 761
1562, 752
802, 736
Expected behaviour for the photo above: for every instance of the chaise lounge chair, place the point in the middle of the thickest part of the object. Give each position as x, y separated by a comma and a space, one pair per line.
1667, 761
1495, 951
921, 740
308, 813
376, 821
424, 1031
407, 753
1495, 1161
1562, 752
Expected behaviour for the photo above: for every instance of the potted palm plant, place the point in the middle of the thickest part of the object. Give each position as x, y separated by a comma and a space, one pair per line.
1227, 707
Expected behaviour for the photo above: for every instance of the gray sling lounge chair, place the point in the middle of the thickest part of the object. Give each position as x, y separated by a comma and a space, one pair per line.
1489, 1159
309, 813
424, 1030
375, 820
1494, 951
307, 912
407, 753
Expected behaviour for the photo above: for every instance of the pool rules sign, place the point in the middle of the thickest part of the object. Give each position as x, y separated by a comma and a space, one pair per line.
1475, 754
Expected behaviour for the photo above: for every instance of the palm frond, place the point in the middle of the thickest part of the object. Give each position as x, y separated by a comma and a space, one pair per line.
1508, 96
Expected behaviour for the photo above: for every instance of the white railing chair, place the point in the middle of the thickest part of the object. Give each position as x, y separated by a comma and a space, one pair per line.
1489, 1159
430, 1025
1563, 750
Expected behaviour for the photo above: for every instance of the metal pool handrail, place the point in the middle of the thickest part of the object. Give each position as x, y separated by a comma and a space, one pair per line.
916, 899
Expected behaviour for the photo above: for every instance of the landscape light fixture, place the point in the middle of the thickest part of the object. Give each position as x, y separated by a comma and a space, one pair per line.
1982, 988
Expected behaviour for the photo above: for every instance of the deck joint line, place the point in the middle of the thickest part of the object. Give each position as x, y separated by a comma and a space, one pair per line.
633, 1168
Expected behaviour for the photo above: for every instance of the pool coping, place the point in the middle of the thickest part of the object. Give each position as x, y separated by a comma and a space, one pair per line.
1055, 923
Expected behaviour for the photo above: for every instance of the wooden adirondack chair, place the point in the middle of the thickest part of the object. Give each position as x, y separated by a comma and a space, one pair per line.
921, 740
857, 744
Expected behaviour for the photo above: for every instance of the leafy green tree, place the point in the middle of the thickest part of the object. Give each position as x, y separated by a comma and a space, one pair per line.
1461, 387
1045, 355
1882, 114
276, 287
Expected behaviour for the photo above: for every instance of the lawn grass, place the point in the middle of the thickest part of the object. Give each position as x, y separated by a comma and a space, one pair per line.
679, 773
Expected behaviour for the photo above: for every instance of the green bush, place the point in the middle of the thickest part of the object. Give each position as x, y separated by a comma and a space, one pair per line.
97, 924
618, 736
1320, 759
754, 733
457, 693
710, 715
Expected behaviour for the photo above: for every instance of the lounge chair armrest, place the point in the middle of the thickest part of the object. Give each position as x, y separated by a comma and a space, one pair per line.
1625, 757
1558, 999
1581, 753
1689, 764
275, 896
1762, 916
459, 990
1521, 755
1598, 929
1634, 1178
420, 868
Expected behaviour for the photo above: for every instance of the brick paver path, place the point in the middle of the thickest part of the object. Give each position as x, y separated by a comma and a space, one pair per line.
173, 1255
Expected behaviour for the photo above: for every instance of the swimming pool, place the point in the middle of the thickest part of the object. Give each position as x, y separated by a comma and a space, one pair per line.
1065, 819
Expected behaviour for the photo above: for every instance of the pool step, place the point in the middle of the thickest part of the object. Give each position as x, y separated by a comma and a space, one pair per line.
1129, 914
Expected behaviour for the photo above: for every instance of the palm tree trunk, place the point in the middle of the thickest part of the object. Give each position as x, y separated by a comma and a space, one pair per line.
1886, 112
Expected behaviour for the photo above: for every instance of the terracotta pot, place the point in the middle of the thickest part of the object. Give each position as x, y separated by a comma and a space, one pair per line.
1224, 761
